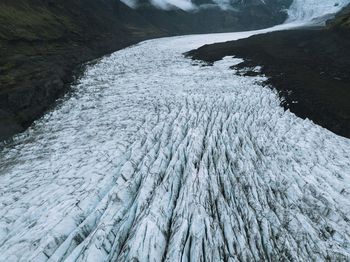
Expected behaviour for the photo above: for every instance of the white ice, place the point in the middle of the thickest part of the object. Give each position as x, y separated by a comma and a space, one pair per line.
154, 157
304, 11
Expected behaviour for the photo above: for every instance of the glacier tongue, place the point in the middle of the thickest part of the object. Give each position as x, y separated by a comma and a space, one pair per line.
154, 157
305, 11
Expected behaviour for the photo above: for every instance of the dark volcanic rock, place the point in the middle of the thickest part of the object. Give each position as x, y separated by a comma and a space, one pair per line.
310, 68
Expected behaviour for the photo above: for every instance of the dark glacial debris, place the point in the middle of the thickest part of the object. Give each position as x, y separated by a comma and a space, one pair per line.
310, 68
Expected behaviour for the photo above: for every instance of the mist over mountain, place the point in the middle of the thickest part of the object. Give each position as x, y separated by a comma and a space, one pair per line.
188, 5
200, 16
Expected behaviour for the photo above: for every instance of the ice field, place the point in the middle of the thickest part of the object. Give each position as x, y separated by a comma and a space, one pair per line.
155, 157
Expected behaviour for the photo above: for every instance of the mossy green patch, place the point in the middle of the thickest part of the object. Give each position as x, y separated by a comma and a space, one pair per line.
33, 23
342, 20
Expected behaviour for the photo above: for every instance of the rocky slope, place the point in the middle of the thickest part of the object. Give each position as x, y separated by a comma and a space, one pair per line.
310, 68
42, 41
341, 21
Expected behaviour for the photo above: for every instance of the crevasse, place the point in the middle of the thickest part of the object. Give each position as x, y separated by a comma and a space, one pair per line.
153, 157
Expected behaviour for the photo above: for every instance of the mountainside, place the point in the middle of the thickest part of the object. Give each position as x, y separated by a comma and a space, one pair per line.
310, 68
42, 41
341, 21
210, 20
207, 16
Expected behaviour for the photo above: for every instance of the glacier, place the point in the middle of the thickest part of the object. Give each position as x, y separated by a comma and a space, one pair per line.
155, 157
305, 11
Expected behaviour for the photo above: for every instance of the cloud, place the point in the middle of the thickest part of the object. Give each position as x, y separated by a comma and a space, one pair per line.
131, 3
188, 5
185, 5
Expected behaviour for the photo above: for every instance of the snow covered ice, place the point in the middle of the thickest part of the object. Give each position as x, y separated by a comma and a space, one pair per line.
303, 11
154, 157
